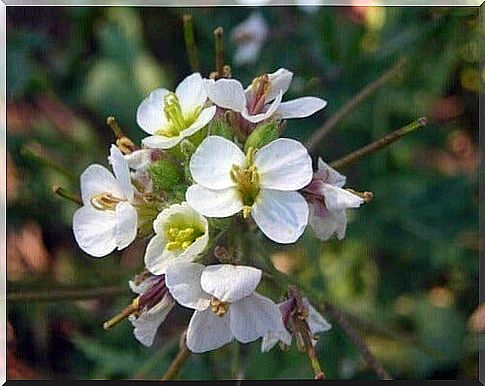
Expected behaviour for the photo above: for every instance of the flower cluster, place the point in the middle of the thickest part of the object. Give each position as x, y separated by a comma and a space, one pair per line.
213, 167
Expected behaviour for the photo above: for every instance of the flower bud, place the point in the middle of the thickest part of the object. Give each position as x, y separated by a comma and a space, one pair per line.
221, 128
262, 135
164, 174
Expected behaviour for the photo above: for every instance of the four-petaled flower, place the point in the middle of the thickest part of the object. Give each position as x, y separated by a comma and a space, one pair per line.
314, 323
327, 202
180, 235
226, 305
170, 117
107, 220
155, 303
262, 183
262, 99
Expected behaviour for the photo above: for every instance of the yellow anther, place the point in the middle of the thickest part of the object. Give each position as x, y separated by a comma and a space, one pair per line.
218, 307
185, 234
246, 211
173, 245
105, 201
173, 232
186, 244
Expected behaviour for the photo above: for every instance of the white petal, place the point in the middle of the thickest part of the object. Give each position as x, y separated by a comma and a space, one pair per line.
207, 331
202, 120
254, 317
157, 257
161, 142
279, 81
150, 116
140, 287
191, 93
146, 325
139, 159
126, 224
97, 179
316, 322
325, 226
264, 115
226, 93
330, 175
94, 230
121, 171
284, 164
338, 198
268, 343
281, 216
301, 107
230, 283
247, 52
211, 163
214, 203
183, 282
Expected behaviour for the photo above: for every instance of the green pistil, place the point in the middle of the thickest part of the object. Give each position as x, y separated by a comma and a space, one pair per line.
247, 181
181, 238
175, 117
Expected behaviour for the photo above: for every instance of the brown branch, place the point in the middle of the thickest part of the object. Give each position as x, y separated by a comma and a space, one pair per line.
363, 94
179, 360
356, 339
219, 51
379, 144
63, 294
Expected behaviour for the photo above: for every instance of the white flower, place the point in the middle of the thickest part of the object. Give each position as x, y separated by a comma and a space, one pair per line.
170, 117
262, 184
107, 220
155, 304
315, 322
262, 99
327, 202
180, 235
226, 305
249, 37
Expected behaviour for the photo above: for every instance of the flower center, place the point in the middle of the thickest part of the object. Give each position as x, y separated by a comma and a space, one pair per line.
105, 201
219, 308
247, 181
182, 238
177, 121
260, 88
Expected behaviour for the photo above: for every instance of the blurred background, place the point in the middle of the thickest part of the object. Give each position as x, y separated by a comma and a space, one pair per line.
408, 268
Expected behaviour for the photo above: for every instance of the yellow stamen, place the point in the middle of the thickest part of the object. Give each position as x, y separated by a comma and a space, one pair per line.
181, 238
177, 121
105, 201
219, 308
247, 181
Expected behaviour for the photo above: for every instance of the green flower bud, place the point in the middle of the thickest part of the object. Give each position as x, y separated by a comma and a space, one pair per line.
262, 135
221, 128
165, 174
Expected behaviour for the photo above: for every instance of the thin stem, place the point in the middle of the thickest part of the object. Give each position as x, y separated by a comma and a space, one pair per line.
219, 51
190, 45
178, 361
113, 125
127, 311
66, 194
43, 160
63, 294
362, 95
379, 144
356, 339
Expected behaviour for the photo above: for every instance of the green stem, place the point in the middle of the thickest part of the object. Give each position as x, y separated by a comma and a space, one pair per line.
47, 162
379, 144
66, 194
190, 45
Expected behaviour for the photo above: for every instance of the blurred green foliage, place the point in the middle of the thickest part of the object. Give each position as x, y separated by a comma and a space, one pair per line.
410, 258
